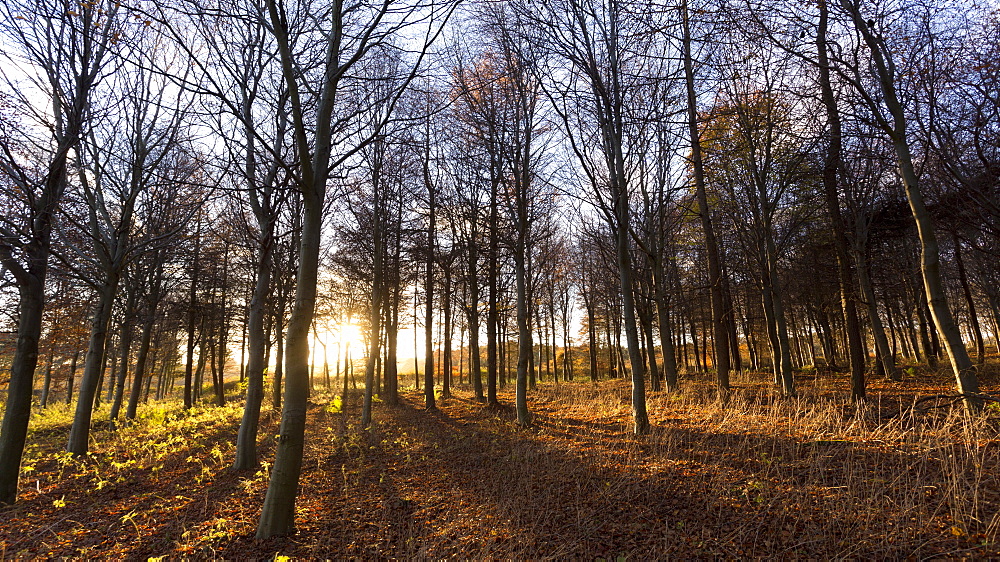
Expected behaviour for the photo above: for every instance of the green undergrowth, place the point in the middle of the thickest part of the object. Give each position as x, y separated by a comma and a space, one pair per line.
162, 434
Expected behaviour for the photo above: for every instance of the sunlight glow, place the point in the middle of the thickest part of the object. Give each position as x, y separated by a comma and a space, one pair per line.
348, 334
340, 339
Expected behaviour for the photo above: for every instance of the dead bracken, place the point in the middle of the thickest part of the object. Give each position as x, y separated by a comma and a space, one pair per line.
753, 475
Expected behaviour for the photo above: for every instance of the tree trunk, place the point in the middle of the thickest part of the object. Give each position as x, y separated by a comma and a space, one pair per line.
977, 333
475, 366
145, 339
246, 438
127, 335
13, 433
278, 514
493, 313
374, 333
220, 389
391, 345
429, 295
279, 351
885, 354
72, 375
139, 373
592, 338
786, 380
446, 364
646, 317
192, 306
524, 343
715, 279
962, 367
666, 342
47, 381
79, 435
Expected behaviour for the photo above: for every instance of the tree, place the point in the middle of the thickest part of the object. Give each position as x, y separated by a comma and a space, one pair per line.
604, 45
758, 159
67, 52
119, 161
883, 69
240, 80
716, 281
345, 34
831, 172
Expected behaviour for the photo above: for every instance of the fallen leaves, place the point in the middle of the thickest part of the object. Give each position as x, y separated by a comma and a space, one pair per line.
753, 477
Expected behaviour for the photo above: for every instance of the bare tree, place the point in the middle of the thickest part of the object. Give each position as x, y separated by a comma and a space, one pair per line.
603, 45
344, 35
120, 159
890, 114
61, 51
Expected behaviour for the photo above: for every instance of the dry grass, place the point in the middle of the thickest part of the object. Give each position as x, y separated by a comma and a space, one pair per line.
815, 475
750, 475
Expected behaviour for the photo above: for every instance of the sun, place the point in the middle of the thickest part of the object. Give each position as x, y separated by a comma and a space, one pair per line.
348, 334
337, 341
343, 335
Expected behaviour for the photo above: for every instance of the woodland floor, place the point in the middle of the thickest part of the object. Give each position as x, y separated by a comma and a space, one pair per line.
755, 476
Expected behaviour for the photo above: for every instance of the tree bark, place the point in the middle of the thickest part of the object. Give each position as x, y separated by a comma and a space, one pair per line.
79, 435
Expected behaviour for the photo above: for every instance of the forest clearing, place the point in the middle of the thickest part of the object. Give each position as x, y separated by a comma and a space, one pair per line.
755, 476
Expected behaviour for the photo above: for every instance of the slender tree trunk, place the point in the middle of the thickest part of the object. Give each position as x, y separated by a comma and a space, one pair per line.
962, 367
391, 343
127, 336
715, 281
416, 344
735, 359
47, 382
278, 514
592, 336
123, 365
767, 298
279, 352
429, 296
639, 415
666, 339
79, 436
646, 317
524, 343
374, 335
246, 438
475, 367
72, 376
786, 374
446, 364
885, 354
694, 343
552, 323
192, 307
493, 314
145, 339
977, 333
220, 389
139, 374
